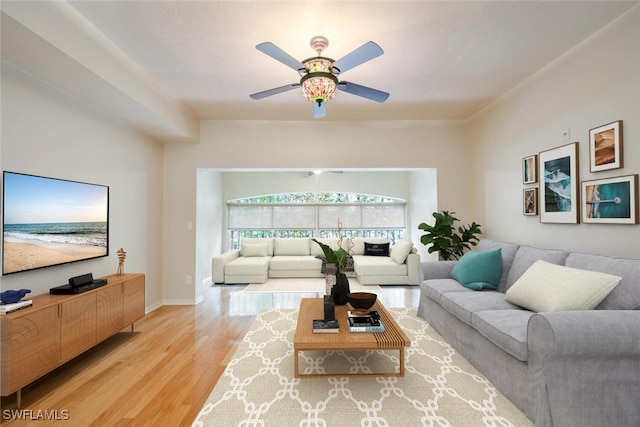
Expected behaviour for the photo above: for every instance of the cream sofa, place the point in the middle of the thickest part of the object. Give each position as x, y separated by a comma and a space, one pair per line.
261, 258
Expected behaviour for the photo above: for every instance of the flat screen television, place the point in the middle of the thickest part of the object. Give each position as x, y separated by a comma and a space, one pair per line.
50, 221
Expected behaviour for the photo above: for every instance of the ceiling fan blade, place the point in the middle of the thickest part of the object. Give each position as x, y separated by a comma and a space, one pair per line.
319, 110
274, 91
280, 55
363, 91
364, 53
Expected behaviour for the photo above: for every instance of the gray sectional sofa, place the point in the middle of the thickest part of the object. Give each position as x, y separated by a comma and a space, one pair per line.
261, 258
561, 368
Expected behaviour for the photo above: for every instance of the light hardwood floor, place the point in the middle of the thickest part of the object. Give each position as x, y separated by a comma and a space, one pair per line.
163, 372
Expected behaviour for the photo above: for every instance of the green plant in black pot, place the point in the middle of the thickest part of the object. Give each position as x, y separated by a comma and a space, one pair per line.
339, 259
445, 239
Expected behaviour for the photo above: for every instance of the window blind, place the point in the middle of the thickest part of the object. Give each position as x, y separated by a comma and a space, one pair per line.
352, 216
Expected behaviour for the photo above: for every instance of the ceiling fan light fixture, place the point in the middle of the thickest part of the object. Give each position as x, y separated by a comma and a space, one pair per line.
319, 84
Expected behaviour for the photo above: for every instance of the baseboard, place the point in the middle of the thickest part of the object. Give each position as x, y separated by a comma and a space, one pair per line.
182, 301
152, 307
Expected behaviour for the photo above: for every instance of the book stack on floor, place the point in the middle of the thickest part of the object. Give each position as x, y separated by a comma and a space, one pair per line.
10, 308
364, 323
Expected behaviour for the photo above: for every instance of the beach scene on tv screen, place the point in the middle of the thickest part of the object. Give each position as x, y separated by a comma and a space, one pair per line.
50, 221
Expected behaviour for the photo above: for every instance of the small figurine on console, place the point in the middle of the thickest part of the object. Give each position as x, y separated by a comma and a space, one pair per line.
122, 256
12, 296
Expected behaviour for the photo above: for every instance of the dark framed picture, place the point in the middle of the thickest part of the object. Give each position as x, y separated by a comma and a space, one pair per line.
559, 192
529, 169
530, 201
610, 200
605, 147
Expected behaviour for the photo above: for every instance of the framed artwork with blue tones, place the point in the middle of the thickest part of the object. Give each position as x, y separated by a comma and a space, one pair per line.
559, 192
610, 200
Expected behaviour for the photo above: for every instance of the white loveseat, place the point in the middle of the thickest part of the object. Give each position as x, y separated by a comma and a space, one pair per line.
261, 258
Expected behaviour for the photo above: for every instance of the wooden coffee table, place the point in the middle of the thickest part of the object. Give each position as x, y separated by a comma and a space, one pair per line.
393, 338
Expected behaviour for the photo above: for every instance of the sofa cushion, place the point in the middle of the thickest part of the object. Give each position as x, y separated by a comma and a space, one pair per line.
508, 253
378, 266
357, 243
400, 251
549, 287
526, 256
316, 250
292, 246
295, 263
505, 328
434, 288
479, 270
376, 249
258, 240
247, 266
255, 249
625, 296
463, 304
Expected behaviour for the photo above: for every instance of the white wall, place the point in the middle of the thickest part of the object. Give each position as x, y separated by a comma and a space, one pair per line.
47, 133
228, 145
210, 211
596, 83
421, 207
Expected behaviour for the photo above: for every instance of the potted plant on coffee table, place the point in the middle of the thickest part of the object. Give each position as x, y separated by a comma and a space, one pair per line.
339, 259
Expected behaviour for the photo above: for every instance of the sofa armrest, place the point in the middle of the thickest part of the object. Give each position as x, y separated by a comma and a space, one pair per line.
413, 269
219, 261
437, 269
586, 367
589, 333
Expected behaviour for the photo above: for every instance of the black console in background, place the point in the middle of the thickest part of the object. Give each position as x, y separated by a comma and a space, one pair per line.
84, 279
78, 285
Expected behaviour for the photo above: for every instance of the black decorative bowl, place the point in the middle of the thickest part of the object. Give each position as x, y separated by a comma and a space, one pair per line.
361, 301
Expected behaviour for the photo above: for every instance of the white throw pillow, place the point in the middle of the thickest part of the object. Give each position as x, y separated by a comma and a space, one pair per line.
255, 249
400, 251
550, 287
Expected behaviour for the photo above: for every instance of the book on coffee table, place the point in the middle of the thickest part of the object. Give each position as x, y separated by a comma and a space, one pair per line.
367, 323
321, 326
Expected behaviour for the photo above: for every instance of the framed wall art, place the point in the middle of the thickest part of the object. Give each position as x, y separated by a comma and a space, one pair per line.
529, 169
558, 172
605, 147
610, 200
530, 201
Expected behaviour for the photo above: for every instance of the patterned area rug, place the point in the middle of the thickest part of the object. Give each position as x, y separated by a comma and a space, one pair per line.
439, 388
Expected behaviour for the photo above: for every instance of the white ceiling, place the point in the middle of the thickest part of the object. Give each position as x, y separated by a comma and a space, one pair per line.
442, 60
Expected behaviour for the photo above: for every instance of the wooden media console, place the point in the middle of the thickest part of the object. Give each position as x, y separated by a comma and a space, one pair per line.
57, 328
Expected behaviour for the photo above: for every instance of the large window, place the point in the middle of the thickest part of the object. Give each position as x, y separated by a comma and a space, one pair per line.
316, 215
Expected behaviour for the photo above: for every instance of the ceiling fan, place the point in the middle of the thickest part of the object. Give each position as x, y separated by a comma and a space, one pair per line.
319, 75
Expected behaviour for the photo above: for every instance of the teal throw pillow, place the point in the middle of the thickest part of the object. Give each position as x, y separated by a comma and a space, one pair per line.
479, 270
